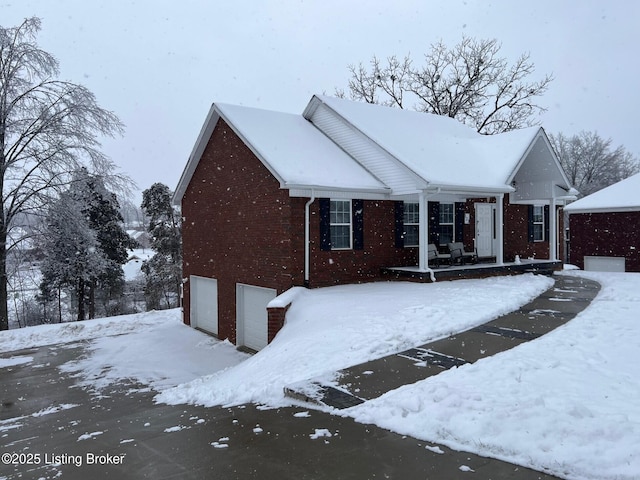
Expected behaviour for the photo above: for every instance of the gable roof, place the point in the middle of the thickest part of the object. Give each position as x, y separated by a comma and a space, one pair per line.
295, 152
439, 149
431, 151
623, 196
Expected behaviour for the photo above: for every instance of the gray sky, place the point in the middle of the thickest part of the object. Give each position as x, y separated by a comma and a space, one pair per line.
160, 64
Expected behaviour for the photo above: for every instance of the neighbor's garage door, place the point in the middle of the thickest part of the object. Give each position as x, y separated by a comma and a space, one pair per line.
204, 303
251, 315
604, 264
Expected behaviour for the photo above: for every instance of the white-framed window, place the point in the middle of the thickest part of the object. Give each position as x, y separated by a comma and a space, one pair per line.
447, 223
411, 224
538, 223
340, 224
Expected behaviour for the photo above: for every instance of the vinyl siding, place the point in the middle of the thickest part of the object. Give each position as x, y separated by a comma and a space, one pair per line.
365, 151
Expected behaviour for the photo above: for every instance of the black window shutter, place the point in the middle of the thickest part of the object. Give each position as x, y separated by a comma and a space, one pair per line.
357, 207
530, 223
546, 223
459, 209
434, 222
399, 221
325, 225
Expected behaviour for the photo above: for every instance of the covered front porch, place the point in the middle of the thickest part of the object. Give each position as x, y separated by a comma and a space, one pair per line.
477, 270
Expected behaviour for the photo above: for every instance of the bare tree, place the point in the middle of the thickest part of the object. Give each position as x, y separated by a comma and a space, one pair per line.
468, 82
590, 161
48, 129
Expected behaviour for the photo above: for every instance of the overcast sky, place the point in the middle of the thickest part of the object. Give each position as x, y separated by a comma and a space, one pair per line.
160, 64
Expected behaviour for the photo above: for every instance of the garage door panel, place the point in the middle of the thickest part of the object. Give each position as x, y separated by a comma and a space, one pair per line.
604, 264
252, 317
204, 303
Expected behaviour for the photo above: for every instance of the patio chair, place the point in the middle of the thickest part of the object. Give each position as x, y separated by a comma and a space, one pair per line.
434, 256
460, 255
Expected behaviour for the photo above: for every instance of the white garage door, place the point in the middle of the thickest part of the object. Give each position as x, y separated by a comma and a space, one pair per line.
604, 264
251, 315
204, 303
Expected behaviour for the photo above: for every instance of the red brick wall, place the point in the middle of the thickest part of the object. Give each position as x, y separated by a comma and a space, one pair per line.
356, 266
237, 225
240, 227
614, 234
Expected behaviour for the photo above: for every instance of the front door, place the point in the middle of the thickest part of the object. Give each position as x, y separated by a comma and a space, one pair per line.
485, 229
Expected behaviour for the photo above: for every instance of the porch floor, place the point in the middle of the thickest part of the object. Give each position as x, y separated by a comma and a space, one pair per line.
477, 270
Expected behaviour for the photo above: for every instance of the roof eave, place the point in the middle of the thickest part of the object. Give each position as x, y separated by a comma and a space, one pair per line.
635, 208
466, 189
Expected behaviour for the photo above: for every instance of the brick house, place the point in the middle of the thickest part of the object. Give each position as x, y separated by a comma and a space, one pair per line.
349, 192
605, 228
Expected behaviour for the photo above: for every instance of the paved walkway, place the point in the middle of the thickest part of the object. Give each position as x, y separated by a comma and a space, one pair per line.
562, 302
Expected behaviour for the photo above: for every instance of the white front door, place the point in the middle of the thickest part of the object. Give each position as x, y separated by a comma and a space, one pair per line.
485, 231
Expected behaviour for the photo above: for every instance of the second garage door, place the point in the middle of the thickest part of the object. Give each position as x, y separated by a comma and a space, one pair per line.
251, 315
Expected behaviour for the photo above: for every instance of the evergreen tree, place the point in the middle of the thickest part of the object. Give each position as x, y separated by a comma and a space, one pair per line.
85, 246
73, 257
163, 271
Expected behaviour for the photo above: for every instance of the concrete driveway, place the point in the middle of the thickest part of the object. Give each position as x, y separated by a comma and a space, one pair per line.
51, 428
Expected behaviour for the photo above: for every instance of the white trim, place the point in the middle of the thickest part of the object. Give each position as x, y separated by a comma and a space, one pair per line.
350, 210
553, 233
423, 233
540, 134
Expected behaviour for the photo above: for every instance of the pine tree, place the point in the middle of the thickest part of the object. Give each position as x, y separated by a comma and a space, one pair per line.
163, 271
85, 246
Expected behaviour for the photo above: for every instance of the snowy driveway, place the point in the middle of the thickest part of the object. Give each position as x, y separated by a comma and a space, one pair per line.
52, 428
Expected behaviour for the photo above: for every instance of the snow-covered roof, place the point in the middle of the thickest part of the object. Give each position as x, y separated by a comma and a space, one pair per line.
436, 151
439, 149
623, 196
296, 153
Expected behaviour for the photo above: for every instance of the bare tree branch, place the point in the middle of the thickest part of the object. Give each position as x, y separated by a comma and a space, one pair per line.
469, 82
590, 161
48, 129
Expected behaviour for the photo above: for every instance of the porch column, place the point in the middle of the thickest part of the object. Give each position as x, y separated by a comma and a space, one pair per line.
553, 231
500, 228
423, 233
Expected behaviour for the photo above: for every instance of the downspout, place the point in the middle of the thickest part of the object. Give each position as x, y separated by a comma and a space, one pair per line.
307, 247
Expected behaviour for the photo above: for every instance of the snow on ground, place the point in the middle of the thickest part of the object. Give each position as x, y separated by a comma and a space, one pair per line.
332, 328
20, 338
166, 355
153, 348
566, 403
132, 268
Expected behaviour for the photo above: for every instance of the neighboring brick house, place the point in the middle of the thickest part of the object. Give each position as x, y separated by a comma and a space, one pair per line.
604, 228
343, 193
